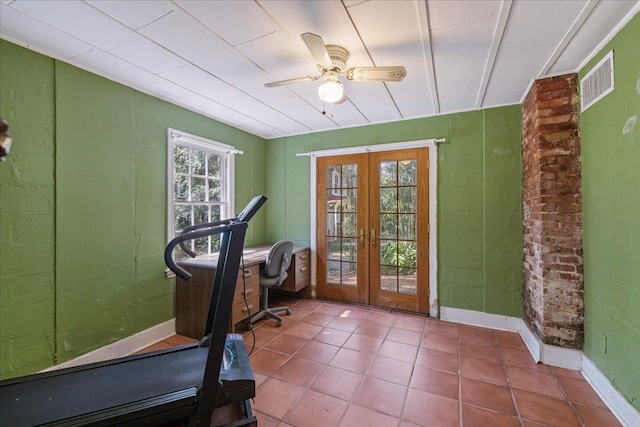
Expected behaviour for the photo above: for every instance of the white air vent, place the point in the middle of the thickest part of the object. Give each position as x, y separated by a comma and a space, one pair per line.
598, 82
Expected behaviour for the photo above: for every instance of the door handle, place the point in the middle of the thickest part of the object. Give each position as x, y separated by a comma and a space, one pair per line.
373, 237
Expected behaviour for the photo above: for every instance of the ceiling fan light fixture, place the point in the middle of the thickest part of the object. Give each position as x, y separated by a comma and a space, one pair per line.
332, 90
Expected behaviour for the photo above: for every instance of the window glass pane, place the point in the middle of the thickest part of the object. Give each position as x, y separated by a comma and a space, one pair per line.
199, 182
201, 246
388, 174
198, 189
200, 214
182, 217
197, 162
180, 159
215, 192
215, 168
389, 199
180, 188
408, 200
407, 172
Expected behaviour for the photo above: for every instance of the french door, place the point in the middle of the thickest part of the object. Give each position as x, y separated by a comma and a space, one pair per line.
373, 231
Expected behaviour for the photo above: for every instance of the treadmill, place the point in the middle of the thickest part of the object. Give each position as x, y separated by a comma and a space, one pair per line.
180, 386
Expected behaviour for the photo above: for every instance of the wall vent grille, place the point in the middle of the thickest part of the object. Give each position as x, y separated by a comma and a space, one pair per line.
598, 82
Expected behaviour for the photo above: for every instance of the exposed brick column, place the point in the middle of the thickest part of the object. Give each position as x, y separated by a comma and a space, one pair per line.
552, 212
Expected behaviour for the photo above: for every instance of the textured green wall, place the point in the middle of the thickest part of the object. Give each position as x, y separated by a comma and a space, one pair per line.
83, 208
27, 213
611, 210
479, 199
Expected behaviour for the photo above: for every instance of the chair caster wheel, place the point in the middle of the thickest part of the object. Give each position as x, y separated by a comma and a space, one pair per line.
249, 327
288, 312
278, 323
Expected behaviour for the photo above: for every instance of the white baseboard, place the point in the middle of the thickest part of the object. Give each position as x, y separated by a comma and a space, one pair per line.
124, 347
623, 410
551, 355
478, 318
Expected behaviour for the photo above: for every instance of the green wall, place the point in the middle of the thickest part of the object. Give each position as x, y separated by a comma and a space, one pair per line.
83, 208
611, 209
479, 199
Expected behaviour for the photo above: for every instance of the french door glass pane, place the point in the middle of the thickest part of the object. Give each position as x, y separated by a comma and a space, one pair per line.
389, 279
333, 248
349, 176
388, 174
407, 226
341, 224
407, 198
408, 282
389, 199
398, 226
388, 226
407, 172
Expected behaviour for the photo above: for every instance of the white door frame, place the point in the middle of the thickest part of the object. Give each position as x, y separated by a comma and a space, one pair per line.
433, 192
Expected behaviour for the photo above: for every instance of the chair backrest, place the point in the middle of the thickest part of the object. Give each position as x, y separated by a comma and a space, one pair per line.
279, 258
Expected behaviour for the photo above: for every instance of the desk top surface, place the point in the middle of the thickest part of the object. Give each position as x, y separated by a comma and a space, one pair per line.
252, 255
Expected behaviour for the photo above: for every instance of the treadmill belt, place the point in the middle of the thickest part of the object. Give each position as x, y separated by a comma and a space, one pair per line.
49, 397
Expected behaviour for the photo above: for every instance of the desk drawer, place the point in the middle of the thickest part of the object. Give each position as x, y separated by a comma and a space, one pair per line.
302, 270
240, 313
251, 287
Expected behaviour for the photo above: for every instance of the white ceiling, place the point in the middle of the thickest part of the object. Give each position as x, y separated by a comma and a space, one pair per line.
214, 57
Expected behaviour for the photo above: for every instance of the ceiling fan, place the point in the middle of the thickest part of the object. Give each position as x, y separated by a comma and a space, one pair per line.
332, 62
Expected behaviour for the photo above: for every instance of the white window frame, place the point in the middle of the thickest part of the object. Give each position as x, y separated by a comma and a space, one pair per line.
183, 139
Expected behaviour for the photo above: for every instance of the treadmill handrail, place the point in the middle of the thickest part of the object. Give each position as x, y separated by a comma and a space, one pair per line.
195, 234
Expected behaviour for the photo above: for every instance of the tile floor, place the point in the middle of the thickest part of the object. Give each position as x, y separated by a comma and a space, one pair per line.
333, 364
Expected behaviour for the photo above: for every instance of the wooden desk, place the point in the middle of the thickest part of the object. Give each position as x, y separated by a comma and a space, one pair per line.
192, 297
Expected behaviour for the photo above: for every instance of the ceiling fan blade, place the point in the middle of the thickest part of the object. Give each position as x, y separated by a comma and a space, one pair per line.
376, 74
317, 48
291, 81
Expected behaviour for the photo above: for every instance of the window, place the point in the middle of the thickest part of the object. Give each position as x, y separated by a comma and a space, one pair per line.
200, 186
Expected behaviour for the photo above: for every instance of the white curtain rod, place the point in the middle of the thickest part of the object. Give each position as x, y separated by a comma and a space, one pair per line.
373, 148
194, 139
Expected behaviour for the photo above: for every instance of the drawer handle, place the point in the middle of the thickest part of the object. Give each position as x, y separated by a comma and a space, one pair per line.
302, 256
247, 272
302, 269
248, 291
244, 309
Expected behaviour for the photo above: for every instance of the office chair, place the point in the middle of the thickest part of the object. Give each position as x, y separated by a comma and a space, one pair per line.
273, 274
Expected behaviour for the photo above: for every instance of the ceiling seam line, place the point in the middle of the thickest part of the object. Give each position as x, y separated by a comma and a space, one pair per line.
427, 53
568, 37
501, 25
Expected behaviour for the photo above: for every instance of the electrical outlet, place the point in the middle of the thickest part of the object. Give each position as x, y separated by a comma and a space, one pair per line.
602, 341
